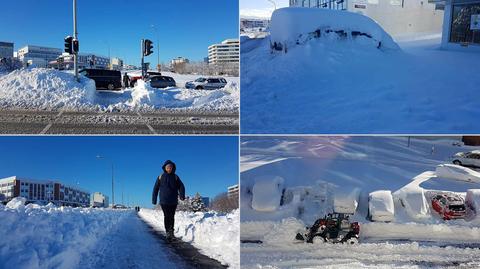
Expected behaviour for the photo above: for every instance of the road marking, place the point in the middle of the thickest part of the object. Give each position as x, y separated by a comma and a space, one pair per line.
49, 125
147, 124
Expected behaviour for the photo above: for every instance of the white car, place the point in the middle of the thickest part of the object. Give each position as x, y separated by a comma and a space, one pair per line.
471, 158
204, 83
380, 206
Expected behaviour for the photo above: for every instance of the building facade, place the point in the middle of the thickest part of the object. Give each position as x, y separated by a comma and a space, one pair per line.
116, 64
247, 25
38, 56
6, 50
99, 199
179, 64
43, 192
233, 191
85, 60
227, 52
461, 24
397, 17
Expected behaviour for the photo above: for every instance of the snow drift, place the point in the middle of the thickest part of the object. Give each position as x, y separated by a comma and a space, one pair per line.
267, 193
34, 236
290, 25
380, 206
457, 172
215, 235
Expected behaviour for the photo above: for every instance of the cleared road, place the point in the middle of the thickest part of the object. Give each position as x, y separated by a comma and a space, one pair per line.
162, 122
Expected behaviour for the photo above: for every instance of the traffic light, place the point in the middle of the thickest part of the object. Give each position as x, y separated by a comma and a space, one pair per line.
148, 47
76, 46
68, 44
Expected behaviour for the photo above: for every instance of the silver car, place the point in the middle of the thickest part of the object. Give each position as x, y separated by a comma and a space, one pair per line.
206, 83
162, 82
471, 158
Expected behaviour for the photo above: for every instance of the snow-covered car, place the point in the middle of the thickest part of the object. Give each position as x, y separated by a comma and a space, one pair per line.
471, 158
267, 193
449, 206
457, 172
380, 206
161, 81
204, 83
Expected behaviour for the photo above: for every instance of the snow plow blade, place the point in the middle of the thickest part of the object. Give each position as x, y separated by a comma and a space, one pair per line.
299, 237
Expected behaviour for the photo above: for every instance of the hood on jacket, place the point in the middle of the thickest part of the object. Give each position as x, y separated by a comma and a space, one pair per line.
169, 162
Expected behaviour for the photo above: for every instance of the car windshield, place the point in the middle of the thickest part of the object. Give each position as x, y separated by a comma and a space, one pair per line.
200, 80
457, 207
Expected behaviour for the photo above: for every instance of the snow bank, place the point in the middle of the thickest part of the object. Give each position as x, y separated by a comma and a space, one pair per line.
267, 193
36, 236
45, 89
290, 25
457, 172
215, 235
380, 206
346, 202
17, 203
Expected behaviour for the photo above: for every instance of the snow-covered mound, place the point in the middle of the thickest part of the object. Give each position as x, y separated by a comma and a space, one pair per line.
380, 206
34, 236
457, 172
45, 89
215, 235
346, 202
266, 193
472, 201
290, 26
40, 88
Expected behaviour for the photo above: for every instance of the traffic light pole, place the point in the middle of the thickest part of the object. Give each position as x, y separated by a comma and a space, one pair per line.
75, 37
143, 56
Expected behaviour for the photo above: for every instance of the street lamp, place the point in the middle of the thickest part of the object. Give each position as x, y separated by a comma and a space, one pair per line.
274, 4
111, 162
158, 46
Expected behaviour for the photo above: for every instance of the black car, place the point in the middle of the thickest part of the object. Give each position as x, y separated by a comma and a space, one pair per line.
104, 79
162, 82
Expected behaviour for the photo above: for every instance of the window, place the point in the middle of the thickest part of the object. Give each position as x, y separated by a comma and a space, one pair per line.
460, 31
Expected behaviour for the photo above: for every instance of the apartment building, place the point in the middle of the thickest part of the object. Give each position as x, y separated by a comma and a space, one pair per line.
227, 52
6, 50
38, 56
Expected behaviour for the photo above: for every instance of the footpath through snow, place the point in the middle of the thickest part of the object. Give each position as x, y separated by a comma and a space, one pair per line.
48, 89
215, 235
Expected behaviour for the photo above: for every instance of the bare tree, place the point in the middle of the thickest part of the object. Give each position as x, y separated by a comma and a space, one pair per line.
224, 203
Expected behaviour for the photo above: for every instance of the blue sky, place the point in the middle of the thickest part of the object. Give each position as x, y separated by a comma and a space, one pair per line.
206, 164
260, 8
186, 28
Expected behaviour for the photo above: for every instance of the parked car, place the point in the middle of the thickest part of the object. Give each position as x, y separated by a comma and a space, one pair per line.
203, 83
134, 76
162, 82
449, 206
104, 79
381, 206
471, 158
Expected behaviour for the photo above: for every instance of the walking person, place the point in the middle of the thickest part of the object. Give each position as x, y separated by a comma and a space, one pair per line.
171, 188
126, 81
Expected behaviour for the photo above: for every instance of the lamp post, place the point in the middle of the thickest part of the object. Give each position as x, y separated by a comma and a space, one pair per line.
113, 190
75, 36
274, 4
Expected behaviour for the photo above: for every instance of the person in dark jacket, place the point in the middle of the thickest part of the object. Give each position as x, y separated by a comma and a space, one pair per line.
171, 188
126, 81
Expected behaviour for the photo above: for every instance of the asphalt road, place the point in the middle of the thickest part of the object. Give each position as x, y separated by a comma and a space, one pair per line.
148, 123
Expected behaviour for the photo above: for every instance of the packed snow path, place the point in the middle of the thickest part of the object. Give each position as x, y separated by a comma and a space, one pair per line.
365, 255
132, 245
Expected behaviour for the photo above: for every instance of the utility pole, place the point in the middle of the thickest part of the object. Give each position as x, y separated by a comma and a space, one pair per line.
143, 55
113, 189
75, 37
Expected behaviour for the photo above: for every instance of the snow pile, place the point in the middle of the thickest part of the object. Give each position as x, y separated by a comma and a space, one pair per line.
267, 193
472, 201
45, 89
346, 202
380, 206
17, 203
36, 236
457, 172
215, 235
290, 25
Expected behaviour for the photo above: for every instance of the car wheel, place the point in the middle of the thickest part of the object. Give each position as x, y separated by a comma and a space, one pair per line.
352, 241
457, 162
111, 87
318, 240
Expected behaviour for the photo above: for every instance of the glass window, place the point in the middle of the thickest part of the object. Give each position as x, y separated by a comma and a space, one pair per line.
461, 23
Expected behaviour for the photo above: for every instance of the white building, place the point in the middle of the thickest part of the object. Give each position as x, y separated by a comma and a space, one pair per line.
397, 17
227, 52
461, 24
251, 24
116, 63
38, 56
179, 64
43, 192
85, 60
6, 50
233, 191
99, 199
